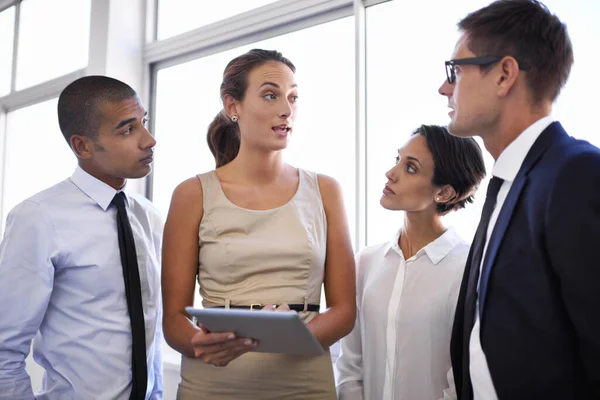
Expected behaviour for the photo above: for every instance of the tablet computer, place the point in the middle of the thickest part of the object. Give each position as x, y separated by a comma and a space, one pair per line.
276, 331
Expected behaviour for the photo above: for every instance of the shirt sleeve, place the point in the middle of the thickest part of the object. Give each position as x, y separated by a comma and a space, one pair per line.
27, 252
157, 391
157, 232
349, 363
450, 392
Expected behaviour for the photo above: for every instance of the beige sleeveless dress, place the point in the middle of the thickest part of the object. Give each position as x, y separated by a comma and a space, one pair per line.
269, 257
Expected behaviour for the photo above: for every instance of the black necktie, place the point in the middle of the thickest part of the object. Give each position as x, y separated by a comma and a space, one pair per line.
478, 246
133, 293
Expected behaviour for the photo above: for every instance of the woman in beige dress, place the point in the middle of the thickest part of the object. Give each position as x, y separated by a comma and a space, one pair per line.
256, 231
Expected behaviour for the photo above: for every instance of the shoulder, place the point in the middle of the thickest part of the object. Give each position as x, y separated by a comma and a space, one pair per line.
578, 169
371, 256
188, 199
44, 201
329, 187
191, 188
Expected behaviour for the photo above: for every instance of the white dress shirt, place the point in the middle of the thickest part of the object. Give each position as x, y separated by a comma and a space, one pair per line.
61, 281
399, 348
506, 167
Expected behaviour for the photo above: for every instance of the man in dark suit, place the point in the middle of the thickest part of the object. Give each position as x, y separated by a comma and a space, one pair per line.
527, 322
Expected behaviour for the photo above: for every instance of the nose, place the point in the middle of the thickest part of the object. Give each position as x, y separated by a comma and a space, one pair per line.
148, 140
287, 110
446, 89
390, 175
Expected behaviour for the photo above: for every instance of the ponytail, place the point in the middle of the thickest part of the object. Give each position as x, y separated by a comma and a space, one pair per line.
223, 139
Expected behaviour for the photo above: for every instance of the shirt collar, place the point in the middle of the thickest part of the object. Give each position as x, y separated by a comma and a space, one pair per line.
436, 250
94, 188
510, 160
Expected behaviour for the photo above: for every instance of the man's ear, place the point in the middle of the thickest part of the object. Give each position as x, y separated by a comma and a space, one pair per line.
82, 146
230, 105
509, 72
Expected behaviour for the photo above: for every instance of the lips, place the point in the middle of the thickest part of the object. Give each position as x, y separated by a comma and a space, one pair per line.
147, 159
387, 190
282, 129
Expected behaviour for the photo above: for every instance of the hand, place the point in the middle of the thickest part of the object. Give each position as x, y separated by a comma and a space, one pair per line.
219, 349
271, 307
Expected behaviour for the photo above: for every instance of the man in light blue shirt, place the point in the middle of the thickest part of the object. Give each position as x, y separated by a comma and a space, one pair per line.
65, 279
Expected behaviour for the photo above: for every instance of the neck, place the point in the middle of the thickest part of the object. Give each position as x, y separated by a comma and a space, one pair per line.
254, 165
420, 229
115, 183
510, 125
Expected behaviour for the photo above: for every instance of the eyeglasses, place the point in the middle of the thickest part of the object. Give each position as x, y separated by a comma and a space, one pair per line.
482, 61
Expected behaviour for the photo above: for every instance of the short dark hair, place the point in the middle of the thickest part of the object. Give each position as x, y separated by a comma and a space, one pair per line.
458, 162
529, 32
223, 135
79, 104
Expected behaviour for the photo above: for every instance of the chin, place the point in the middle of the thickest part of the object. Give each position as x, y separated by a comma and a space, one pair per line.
459, 131
388, 204
140, 173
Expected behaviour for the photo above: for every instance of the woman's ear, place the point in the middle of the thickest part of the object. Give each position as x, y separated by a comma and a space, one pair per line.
445, 194
230, 105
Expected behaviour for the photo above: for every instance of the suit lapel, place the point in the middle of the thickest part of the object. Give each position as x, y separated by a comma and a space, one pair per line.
553, 133
498, 234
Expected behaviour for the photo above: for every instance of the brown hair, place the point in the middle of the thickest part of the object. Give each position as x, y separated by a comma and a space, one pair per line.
223, 135
529, 32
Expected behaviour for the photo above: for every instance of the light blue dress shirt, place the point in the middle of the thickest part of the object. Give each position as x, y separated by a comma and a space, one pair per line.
61, 284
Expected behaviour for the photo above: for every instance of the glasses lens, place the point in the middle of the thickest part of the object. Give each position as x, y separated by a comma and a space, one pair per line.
450, 73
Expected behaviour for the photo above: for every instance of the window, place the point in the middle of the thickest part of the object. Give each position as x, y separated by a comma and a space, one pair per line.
403, 95
178, 16
7, 27
47, 48
187, 100
36, 154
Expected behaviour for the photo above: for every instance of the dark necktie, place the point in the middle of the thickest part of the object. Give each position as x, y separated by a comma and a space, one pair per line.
133, 293
478, 246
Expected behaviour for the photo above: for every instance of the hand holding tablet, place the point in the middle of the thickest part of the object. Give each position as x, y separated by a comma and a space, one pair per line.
276, 332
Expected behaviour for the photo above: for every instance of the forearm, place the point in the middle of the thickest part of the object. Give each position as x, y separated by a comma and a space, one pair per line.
332, 325
179, 330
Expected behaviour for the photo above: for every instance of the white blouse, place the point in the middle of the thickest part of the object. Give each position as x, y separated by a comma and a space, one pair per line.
400, 346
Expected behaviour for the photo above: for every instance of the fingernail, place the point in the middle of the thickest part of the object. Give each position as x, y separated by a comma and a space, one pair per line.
248, 342
231, 336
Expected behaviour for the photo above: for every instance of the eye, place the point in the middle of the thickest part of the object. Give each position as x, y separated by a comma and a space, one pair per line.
269, 96
128, 130
397, 159
145, 122
295, 98
410, 169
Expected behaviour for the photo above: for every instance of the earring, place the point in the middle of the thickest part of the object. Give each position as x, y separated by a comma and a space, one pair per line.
234, 118
437, 199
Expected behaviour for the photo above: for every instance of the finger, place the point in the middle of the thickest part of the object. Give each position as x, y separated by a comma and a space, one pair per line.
202, 327
210, 350
205, 339
283, 307
268, 307
223, 358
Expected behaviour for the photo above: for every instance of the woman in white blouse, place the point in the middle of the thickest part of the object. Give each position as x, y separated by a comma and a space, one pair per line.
407, 288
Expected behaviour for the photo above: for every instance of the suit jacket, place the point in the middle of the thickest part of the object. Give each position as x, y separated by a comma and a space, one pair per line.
540, 322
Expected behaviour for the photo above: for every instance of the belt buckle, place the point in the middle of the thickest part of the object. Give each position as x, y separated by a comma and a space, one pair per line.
255, 306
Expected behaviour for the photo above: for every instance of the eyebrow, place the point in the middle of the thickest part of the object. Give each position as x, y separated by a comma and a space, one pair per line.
275, 85
128, 121
414, 159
